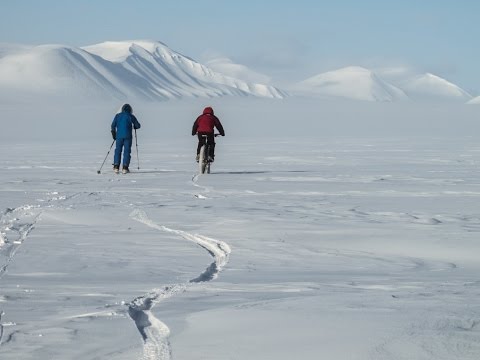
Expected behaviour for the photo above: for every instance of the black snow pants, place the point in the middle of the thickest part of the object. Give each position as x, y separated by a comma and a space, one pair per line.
211, 142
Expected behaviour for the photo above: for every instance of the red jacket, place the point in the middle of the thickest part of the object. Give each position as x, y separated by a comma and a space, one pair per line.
206, 123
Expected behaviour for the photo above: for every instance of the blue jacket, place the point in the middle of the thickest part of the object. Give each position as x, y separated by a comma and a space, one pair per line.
123, 123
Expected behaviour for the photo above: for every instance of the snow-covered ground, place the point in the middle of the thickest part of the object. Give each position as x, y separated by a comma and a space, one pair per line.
309, 246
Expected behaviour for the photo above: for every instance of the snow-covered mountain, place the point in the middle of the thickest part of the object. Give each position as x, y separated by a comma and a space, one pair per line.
128, 69
7, 49
475, 100
382, 85
352, 82
228, 67
423, 87
429, 87
57, 69
144, 69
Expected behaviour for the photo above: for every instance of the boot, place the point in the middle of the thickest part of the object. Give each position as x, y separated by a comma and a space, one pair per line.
125, 170
116, 168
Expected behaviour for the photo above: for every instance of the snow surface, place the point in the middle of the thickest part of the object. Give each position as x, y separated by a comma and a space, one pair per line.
350, 233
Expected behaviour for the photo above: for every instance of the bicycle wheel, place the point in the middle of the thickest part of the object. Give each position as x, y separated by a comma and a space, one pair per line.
207, 159
202, 160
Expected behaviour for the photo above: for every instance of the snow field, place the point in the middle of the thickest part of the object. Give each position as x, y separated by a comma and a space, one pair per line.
346, 249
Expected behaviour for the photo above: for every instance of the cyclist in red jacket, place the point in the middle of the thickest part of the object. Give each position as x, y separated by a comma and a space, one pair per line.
204, 125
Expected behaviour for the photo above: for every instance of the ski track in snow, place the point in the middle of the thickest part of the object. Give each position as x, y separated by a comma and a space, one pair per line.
154, 332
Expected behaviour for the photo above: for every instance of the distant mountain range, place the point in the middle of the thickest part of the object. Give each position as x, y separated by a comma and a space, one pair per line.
150, 70
359, 83
351, 83
128, 69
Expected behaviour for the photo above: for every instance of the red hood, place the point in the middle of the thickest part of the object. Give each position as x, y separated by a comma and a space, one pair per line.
208, 110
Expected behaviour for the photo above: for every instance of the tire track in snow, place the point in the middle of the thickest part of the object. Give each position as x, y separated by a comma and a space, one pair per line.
154, 332
206, 189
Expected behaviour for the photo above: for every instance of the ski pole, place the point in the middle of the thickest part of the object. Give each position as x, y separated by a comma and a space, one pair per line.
99, 170
136, 145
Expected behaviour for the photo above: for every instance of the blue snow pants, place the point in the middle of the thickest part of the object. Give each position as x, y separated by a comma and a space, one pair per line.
126, 145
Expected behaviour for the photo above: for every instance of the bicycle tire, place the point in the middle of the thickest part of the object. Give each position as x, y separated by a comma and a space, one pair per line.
202, 160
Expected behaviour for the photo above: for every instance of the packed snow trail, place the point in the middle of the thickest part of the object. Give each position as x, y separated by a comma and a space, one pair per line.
154, 332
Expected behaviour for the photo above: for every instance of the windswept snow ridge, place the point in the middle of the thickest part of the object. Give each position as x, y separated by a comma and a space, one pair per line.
154, 332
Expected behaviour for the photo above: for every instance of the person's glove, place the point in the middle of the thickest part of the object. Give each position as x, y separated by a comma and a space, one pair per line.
114, 135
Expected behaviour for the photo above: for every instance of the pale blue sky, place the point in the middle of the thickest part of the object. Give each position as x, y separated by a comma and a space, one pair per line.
288, 40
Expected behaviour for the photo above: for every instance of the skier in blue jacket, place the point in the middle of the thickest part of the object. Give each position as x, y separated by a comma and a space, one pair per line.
122, 126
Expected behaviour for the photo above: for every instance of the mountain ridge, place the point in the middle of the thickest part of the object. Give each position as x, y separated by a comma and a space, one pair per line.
151, 70
141, 69
358, 83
